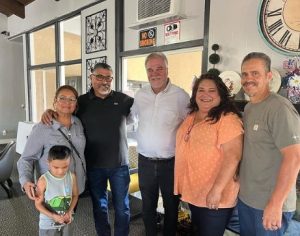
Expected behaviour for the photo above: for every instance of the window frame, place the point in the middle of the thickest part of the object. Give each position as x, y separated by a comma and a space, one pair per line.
57, 63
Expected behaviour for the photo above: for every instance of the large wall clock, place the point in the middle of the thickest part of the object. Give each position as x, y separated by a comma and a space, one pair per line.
279, 23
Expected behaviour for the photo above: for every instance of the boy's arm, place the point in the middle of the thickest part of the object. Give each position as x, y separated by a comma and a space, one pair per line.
74, 194
68, 215
39, 200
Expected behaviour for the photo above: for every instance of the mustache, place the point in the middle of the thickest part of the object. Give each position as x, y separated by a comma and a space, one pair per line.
249, 83
105, 85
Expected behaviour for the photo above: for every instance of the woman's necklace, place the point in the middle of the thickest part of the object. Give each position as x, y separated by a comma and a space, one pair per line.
196, 119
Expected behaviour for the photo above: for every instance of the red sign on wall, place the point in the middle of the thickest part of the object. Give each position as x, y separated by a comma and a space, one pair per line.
147, 38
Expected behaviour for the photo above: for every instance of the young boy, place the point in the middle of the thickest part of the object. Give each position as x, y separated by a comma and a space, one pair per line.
57, 194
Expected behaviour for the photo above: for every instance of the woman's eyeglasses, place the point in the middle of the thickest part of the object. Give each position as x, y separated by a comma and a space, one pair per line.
63, 99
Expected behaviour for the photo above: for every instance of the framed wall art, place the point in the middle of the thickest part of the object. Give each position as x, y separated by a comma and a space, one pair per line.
90, 63
96, 32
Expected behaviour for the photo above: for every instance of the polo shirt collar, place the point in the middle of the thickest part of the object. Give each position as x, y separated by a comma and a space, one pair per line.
56, 125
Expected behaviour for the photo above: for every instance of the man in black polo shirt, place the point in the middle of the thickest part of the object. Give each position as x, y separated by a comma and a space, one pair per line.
103, 113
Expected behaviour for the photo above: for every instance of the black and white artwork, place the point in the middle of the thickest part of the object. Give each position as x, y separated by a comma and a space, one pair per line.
96, 28
90, 63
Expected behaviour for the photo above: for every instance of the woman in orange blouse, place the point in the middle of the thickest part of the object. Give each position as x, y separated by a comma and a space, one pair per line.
208, 151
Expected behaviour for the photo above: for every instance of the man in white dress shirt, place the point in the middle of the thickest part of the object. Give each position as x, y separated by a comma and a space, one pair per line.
159, 108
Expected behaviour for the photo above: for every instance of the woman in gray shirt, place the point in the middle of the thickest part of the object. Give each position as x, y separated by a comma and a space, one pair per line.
64, 128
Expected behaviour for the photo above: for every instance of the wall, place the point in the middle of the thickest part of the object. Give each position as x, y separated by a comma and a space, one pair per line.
109, 5
3, 22
12, 89
42, 11
234, 26
191, 27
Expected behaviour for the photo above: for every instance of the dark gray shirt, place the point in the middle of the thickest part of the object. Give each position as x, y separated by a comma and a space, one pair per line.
269, 126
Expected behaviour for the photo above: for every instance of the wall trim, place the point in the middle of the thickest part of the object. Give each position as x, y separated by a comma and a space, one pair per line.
169, 47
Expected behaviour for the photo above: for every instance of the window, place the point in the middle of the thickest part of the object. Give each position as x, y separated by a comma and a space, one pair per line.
55, 59
72, 76
43, 86
183, 66
42, 46
70, 38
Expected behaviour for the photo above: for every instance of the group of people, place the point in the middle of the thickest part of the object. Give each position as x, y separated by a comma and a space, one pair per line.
199, 150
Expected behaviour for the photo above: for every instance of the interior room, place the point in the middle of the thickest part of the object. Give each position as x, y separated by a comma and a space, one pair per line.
47, 44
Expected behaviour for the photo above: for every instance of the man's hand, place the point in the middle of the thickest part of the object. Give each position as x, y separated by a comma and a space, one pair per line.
29, 188
48, 116
272, 216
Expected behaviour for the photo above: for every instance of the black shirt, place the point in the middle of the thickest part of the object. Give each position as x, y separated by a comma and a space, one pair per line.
104, 122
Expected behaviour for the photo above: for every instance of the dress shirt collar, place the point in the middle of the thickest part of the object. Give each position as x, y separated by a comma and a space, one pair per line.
165, 89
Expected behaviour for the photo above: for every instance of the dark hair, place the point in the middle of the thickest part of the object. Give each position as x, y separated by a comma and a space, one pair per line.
67, 87
259, 55
157, 55
59, 152
101, 65
226, 104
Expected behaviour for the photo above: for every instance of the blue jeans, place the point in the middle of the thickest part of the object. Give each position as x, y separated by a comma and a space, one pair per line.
251, 222
208, 222
119, 182
155, 175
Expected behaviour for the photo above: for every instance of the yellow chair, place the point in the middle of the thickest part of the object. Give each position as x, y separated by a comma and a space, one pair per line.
133, 168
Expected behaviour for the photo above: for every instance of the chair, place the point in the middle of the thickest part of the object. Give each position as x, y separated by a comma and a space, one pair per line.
7, 157
134, 179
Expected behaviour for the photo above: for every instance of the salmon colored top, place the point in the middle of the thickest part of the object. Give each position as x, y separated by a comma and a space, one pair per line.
199, 159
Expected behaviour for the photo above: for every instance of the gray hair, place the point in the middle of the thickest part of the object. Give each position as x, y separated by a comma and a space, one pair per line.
102, 65
259, 55
157, 55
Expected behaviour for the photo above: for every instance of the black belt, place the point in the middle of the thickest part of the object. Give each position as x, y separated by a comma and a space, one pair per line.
156, 158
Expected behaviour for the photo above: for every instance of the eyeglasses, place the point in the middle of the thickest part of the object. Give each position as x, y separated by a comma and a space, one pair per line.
64, 99
100, 77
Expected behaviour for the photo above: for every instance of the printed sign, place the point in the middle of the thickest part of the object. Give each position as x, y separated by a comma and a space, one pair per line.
147, 37
172, 32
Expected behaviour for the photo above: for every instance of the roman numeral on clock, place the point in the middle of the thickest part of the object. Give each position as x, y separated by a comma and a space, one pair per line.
285, 38
275, 12
279, 25
275, 27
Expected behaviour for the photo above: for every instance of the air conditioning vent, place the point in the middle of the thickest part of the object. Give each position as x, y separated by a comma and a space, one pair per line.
153, 12
150, 8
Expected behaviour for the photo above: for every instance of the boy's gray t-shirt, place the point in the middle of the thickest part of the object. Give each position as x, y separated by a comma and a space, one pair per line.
269, 126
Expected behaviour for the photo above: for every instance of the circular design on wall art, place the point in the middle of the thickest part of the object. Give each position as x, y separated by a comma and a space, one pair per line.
232, 80
275, 83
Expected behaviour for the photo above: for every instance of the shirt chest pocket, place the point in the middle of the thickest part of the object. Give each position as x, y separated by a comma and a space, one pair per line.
257, 130
167, 117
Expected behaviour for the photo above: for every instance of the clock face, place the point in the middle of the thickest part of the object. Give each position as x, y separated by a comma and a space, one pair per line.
279, 22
